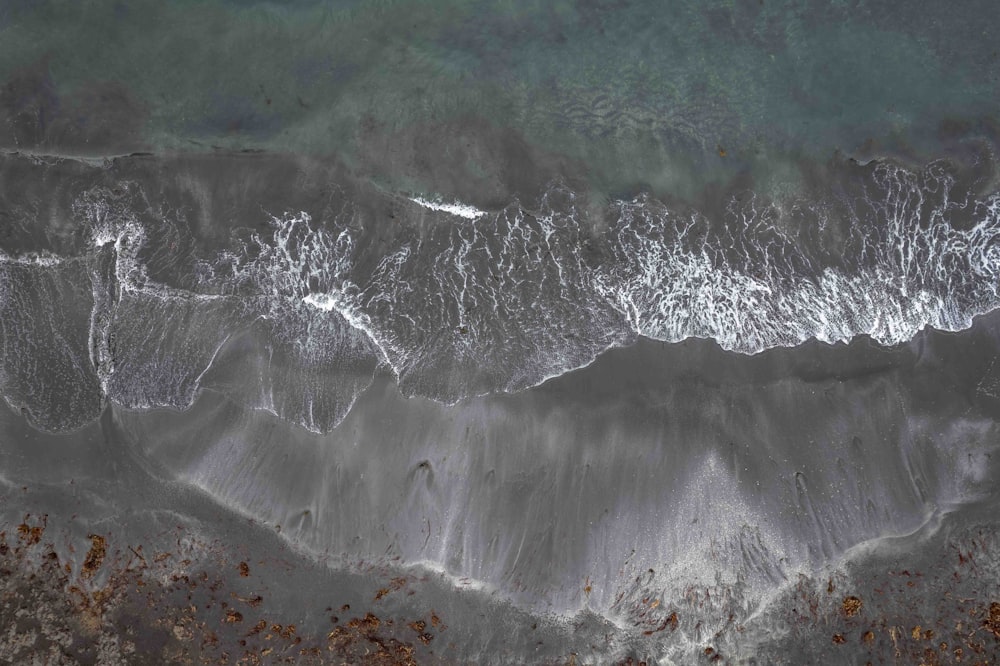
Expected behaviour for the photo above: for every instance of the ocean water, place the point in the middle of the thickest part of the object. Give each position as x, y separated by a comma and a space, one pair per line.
499, 332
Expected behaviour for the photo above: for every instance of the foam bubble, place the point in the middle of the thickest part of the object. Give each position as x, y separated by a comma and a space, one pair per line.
456, 208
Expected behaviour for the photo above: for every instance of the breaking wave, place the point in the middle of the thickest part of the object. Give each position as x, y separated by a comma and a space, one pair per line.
298, 318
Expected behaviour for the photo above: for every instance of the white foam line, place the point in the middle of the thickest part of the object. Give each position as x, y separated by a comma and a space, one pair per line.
330, 303
456, 208
32, 259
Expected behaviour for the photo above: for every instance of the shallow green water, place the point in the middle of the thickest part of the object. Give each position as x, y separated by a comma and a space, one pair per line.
667, 95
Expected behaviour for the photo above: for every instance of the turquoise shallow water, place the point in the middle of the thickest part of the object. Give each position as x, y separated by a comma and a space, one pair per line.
621, 94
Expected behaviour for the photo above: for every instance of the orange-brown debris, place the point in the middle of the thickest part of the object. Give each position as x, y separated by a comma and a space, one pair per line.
992, 622
31, 534
852, 606
95, 556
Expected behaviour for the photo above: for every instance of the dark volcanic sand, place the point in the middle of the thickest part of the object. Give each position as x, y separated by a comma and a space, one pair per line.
666, 503
898, 442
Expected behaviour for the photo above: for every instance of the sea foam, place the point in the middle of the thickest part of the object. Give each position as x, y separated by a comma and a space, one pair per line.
514, 297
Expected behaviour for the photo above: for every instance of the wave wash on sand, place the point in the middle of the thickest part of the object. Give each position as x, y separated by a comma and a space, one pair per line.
365, 379
311, 304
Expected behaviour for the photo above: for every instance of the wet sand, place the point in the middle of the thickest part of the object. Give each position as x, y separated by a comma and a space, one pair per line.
669, 498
